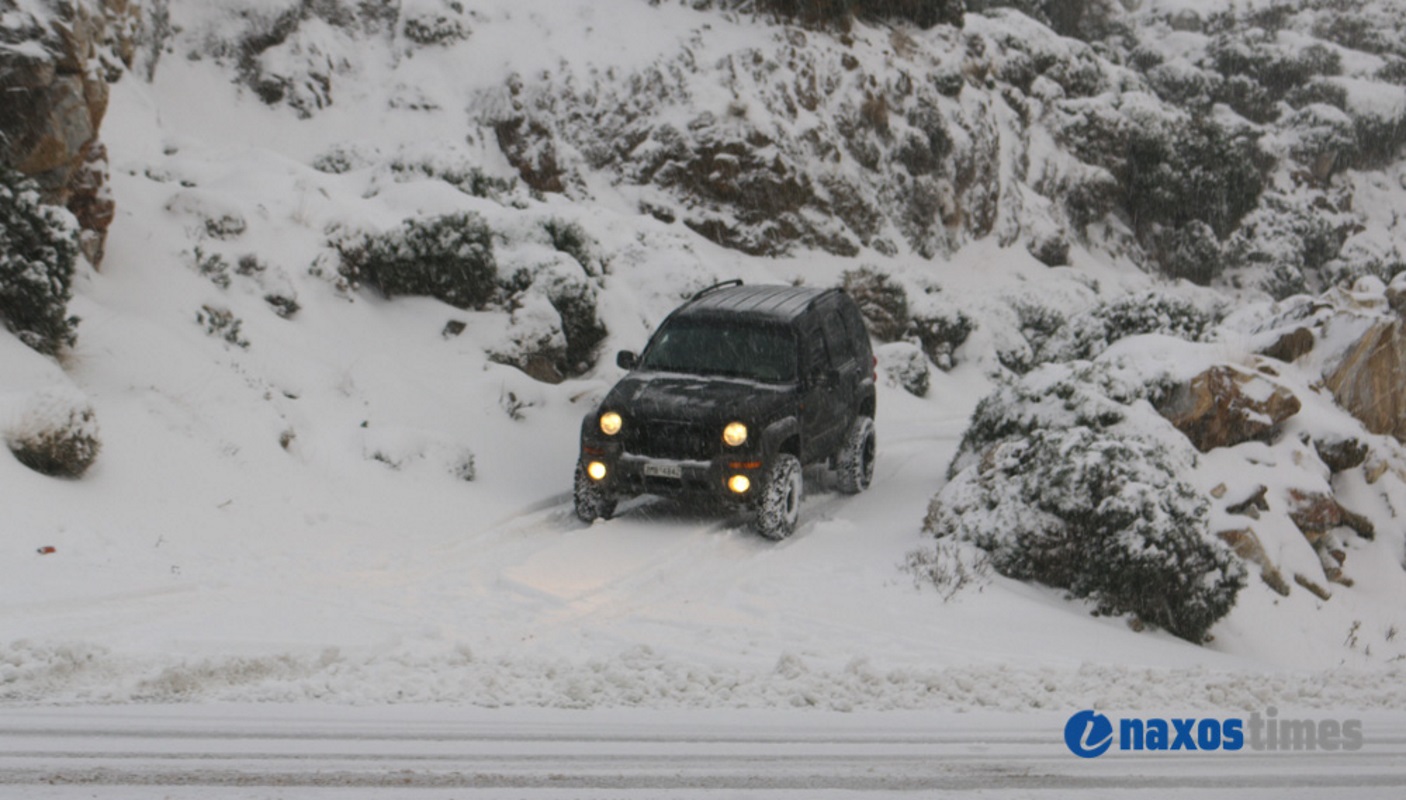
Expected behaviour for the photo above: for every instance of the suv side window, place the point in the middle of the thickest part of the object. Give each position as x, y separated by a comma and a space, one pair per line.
817, 360
837, 339
855, 323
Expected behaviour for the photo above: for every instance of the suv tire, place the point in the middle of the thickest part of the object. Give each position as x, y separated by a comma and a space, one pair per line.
591, 502
781, 498
856, 460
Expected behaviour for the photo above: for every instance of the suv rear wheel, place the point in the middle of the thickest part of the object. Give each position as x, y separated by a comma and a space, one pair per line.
591, 502
856, 460
781, 498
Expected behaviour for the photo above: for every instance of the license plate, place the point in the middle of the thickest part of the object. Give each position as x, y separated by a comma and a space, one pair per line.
656, 470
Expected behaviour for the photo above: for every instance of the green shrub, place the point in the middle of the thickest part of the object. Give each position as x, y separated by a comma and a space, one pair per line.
570, 238
443, 25
38, 252
1379, 141
55, 436
575, 302
1065, 478
1199, 171
448, 257
941, 330
1091, 332
1275, 68
923, 13
882, 301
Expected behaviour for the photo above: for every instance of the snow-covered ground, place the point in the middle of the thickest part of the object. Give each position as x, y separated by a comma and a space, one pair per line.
287, 520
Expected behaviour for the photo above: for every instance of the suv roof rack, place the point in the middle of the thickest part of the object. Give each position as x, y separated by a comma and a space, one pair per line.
715, 287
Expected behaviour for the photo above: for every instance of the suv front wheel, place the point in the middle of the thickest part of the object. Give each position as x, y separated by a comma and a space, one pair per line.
781, 498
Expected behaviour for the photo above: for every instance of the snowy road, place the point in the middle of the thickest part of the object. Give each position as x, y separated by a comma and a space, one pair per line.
248, 751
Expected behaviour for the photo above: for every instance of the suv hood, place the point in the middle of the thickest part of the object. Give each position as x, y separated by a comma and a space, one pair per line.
692, 398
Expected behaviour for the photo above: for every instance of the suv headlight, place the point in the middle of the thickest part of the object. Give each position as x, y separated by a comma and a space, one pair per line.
610, 423
735, 434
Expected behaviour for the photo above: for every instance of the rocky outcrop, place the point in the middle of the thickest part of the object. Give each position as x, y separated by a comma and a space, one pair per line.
1224, 406
55, 67
1368, 380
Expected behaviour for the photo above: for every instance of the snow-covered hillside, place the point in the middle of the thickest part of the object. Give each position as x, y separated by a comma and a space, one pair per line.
307, 490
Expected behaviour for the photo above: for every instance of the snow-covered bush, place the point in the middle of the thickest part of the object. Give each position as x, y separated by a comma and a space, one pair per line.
1035, 322
575, 303
466, 177
434, 22
904, 364
938, 326
882, 300
448, 257
1089, 333
1189, 251
570, 238
533, 341
221, 323
1173, 171
1260, 70
941, 328
1288, 238
1380, 140
1089, 20
38, 250
1070, 478
296, 53
56, 434
1362, 259
1201, 173
923, 13
555, 328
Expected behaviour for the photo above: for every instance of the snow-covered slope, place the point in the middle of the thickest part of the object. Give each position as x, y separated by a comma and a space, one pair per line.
309, 491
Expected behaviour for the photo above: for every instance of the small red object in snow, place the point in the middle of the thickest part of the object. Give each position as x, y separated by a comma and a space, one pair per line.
44, 551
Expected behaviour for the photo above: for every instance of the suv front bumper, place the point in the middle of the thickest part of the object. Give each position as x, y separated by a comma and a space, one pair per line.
628, 475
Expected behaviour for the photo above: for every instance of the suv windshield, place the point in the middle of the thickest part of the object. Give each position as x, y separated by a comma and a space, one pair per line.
733, 349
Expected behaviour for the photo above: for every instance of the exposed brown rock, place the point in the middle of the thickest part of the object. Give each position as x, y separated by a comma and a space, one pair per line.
1224, 406
1341, 455
1368, 381
1376, 470
1291, 345
1247, 545
53, 102
1312, 586
1315, 513
1253, 505
92, 204
1359, 524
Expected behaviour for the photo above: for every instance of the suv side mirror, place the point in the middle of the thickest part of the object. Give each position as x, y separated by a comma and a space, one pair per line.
626, 359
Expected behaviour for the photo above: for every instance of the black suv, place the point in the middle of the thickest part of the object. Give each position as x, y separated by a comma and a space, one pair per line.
739, 389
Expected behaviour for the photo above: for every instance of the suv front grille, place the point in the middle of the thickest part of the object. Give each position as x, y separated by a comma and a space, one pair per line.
679, 441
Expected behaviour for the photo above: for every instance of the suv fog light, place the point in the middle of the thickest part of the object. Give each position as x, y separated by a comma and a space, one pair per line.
739, 484
596, 470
